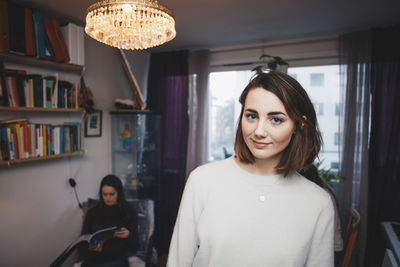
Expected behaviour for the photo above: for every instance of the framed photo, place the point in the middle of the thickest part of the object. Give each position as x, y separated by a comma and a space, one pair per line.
93, 124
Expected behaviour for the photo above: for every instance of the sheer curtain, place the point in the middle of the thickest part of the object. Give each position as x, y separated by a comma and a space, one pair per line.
355, 70
199, 62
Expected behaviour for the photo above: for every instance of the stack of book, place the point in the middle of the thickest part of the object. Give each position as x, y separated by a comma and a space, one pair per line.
28, 32
19, 89
20, 139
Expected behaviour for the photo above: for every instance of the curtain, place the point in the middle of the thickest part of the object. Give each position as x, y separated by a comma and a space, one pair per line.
199, 70
168, 92
384, 168
355, 69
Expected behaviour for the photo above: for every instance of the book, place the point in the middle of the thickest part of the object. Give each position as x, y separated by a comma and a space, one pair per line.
29, 33
49, 83
4, 144
16, 27
4, 33
35, 82
16, 138
43, 45
64, 89
74, 39
93, 240
60, 39
51, 35
4, 99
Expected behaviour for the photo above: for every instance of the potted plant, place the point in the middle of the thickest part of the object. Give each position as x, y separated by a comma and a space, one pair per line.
270, 63
332, 178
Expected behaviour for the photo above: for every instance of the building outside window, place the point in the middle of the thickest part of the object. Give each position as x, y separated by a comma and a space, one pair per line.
336, 139
335, 165
319, 108
317, 79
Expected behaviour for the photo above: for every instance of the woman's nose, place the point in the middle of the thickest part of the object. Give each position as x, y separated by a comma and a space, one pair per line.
261, 129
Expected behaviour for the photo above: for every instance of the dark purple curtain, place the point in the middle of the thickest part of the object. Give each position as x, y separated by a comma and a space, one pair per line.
355, 73
168, 92
384, 156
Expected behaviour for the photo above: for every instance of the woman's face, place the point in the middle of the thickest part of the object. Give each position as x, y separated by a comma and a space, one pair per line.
109, 195
266, 126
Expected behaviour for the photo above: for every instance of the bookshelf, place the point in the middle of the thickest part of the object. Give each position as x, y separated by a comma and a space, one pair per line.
11, 162
28, 61
2, 108
37, 62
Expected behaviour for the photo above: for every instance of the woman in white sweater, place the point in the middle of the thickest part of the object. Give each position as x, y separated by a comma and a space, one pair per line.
255, 209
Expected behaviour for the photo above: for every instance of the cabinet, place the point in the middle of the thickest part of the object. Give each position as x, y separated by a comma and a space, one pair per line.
44, 116
136, 152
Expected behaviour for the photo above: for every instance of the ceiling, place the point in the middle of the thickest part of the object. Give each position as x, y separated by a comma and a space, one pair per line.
212, 23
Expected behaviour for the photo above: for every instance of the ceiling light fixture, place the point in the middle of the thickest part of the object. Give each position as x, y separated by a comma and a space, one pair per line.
130, 24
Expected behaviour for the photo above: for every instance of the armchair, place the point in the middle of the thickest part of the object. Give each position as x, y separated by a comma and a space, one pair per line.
146, 255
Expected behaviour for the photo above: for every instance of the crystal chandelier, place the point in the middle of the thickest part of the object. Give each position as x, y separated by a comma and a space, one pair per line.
130, 24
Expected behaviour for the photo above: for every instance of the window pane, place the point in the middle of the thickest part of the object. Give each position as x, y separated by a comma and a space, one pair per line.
225, 89
316, 79
322, 86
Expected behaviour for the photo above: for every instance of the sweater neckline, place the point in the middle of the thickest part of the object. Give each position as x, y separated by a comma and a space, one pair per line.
264, 180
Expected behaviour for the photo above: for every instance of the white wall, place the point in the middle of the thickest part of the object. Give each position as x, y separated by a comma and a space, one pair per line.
39, 215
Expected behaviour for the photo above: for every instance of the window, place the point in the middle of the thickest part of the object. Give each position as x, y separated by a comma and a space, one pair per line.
317, 79
225, 89
335, 165
325, 100
319, 108
336, 139
337, 110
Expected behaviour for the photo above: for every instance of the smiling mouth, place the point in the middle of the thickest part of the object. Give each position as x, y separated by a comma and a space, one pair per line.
260, 144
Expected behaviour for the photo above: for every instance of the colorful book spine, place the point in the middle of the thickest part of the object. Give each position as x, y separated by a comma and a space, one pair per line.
20, 139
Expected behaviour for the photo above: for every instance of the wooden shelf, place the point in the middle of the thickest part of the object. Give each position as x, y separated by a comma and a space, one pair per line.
3, 108
10, 162
33, 61
131, 111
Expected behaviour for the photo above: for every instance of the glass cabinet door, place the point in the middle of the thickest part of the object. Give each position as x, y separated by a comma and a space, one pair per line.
136, 152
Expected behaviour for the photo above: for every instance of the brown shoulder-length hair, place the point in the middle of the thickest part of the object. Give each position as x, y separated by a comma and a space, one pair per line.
306, 140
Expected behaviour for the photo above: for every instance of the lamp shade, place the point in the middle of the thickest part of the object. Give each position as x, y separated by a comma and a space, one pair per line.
130, 24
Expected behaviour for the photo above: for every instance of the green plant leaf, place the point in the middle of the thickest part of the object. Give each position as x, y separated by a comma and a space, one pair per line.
264, 56
272, 65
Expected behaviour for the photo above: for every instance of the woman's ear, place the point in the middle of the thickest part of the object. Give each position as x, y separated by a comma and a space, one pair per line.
305, 118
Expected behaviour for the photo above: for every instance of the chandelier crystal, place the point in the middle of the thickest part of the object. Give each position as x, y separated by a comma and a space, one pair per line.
130, 24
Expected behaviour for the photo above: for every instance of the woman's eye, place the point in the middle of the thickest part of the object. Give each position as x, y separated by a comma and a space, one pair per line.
251, 116
277, 120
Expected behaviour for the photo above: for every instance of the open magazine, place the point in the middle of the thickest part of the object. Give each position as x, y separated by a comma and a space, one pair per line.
94, 240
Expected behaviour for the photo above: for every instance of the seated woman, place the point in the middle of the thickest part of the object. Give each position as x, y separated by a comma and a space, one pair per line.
112, 210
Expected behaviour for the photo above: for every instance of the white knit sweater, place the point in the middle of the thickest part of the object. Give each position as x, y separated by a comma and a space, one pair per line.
230, 217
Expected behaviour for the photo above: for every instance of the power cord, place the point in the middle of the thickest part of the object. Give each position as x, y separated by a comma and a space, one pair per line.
73, 185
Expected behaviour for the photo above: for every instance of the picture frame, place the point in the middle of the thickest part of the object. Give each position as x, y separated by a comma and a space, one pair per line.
93, 124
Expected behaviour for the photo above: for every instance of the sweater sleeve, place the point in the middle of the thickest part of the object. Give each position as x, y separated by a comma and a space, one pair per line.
185, 241
321, 250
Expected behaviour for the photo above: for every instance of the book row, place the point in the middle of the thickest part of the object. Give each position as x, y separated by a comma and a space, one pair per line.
26, 31
20, 139
19, 89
